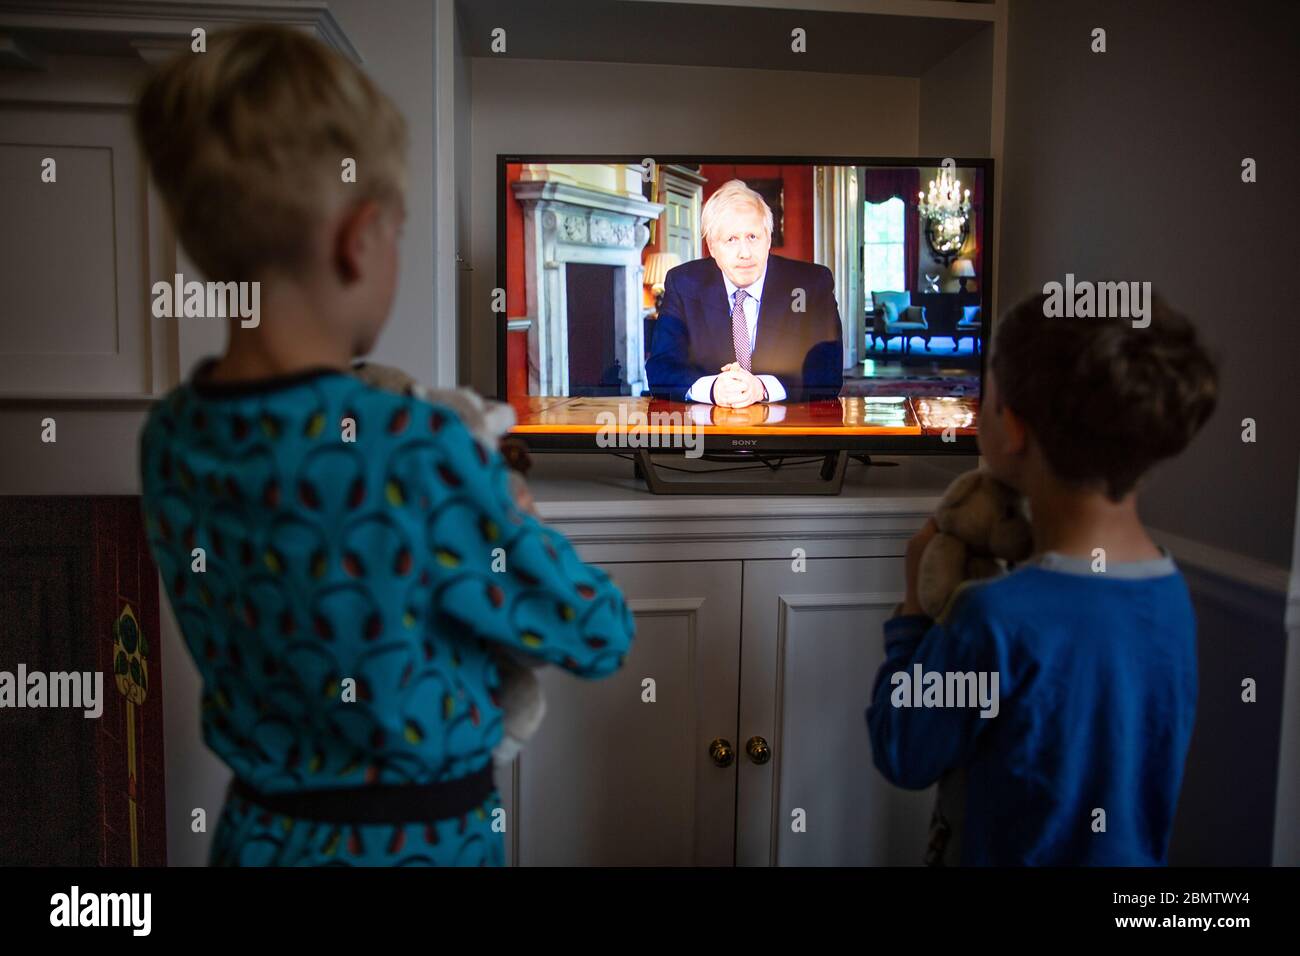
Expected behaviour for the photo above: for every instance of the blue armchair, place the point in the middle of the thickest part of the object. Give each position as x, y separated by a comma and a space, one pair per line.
896, 316
970, 325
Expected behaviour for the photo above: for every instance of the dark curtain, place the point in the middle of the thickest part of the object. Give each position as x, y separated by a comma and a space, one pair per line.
885, 184
977, 223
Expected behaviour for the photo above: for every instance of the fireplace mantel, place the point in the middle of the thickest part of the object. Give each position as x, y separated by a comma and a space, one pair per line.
566, 223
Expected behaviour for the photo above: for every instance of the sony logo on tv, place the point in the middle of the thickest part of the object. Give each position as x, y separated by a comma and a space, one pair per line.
744, 441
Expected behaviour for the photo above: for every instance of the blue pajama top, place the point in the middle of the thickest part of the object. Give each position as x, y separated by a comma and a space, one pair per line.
1097, 692
392, 560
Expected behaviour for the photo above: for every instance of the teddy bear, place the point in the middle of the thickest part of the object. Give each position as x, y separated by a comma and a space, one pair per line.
520, 695
982, 529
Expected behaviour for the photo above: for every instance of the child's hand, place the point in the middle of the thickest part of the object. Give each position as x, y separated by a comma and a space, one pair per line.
523, 495
915, 548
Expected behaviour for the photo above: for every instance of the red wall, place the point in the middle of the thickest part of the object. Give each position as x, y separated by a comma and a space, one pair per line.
798, 201
516, 289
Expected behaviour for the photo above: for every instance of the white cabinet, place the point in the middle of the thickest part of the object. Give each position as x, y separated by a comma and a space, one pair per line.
812, 644
612, 779
740, 645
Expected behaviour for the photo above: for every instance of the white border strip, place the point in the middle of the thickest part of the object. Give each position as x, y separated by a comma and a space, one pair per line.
1226, 564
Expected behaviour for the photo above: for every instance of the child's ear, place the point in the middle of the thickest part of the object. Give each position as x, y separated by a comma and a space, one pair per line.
355, 233
1013, 430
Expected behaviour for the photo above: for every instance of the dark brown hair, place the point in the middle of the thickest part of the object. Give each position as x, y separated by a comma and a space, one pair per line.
1104, 400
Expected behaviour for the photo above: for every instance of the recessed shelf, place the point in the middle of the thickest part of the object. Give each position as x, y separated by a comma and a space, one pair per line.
723, 35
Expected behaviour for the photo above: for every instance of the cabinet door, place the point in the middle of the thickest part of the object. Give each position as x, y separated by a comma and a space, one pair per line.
812, 646
611, 780
77, 303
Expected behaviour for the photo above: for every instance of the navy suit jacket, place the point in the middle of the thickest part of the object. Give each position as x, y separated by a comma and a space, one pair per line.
692, 337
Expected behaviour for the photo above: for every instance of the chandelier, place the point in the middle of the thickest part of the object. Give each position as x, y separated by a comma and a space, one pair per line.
945, 213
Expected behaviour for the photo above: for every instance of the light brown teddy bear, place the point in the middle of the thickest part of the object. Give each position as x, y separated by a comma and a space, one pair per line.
983, 529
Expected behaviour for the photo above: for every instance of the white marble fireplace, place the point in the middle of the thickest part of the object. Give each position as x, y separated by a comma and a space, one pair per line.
569, 222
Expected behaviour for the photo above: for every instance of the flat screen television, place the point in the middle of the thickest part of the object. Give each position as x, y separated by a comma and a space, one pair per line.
865, 306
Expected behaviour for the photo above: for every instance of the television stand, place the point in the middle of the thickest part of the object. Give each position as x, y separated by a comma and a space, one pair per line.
830, 480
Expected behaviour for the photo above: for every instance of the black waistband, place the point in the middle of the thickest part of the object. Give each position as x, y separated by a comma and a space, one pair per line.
405, 803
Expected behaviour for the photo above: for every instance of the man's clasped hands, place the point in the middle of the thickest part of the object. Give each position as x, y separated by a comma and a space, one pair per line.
735, 387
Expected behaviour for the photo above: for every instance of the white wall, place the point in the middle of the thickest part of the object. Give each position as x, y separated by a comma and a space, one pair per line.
396, 42
461, 95
545, 106
956, 101
1127, 164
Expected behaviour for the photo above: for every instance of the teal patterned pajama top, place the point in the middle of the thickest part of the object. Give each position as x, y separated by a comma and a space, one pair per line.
391, 560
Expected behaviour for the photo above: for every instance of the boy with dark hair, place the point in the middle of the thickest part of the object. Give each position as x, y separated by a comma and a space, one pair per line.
1093, 639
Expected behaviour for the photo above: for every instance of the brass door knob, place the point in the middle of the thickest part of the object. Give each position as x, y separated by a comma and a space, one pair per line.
721, 752
758, 750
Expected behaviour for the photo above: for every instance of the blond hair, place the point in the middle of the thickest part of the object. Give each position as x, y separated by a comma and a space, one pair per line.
247, 144
730, 195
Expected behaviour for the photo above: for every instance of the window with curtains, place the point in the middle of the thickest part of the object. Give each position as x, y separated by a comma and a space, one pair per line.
883, 248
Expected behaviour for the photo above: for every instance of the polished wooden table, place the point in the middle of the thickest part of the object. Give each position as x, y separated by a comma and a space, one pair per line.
843, 416
936, 414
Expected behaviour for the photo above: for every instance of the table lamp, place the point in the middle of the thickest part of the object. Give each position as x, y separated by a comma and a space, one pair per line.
962, 270
657, 265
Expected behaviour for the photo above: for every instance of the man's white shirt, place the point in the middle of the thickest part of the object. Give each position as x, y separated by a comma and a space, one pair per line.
703, 387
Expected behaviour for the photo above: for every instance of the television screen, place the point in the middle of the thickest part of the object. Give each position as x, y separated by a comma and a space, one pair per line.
753, 303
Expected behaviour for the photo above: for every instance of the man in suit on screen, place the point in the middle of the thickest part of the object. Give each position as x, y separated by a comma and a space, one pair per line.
745, 326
